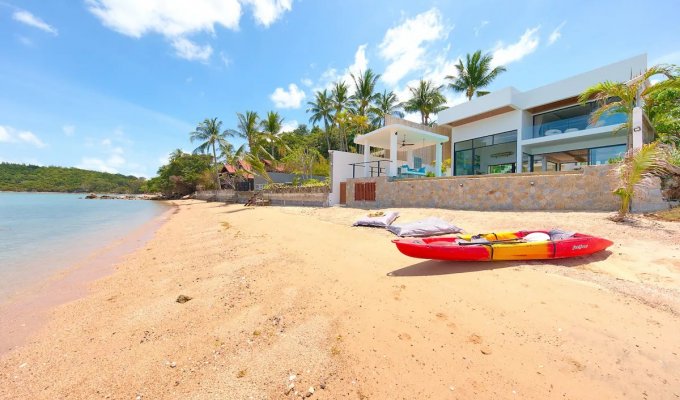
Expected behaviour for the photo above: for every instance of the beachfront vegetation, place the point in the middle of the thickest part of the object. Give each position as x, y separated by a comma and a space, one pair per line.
475, 74
210, 134
426, 98
182, 175
33, 178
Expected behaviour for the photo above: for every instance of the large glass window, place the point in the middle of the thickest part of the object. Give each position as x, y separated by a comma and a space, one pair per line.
486, 155
573, 119
603, 155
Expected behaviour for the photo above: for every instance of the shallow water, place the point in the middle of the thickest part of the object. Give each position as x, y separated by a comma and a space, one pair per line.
41, 233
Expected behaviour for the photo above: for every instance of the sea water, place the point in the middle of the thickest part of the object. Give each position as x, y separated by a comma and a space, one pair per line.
42, 233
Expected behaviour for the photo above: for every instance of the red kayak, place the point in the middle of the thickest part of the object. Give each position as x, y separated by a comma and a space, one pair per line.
523, 245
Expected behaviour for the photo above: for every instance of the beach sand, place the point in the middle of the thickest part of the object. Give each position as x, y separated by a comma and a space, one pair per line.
285, 296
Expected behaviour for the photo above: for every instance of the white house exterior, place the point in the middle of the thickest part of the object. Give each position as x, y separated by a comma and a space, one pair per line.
544, 129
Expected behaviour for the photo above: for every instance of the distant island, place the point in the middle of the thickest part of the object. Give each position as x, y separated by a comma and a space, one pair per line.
33, 178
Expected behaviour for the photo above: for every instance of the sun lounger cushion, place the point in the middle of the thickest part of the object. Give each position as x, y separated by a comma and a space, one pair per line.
427, 227
379, 219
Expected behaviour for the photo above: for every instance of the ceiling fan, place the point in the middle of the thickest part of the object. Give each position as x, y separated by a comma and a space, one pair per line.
404, 144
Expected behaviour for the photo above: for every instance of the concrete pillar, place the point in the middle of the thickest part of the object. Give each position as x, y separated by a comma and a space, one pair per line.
638, 128
438, 160
393, 154
367, 158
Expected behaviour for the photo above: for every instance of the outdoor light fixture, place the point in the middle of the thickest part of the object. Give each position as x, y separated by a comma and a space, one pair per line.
460, 184
637, 129
532, 183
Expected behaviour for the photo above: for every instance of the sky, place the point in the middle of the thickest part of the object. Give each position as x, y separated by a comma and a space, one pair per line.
116, 85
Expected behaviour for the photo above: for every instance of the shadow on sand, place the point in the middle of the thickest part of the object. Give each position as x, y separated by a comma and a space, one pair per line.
436, 267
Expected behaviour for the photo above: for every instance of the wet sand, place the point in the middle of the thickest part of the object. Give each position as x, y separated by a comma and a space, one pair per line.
285, 296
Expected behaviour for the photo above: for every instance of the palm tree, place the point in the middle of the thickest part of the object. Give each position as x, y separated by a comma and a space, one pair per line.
427, 99
475, 74
322, 109
638, 165
364, 91
341, 103
210, 133
248, 129
623, 97
271, 128
385, 103
177, 153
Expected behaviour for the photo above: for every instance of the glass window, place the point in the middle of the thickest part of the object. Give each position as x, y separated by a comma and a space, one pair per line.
482, 141
464, 165
502, 168
465, 145
526, 162
505, 137
602, 155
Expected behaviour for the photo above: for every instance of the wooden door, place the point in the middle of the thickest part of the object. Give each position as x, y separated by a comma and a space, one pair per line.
343, 192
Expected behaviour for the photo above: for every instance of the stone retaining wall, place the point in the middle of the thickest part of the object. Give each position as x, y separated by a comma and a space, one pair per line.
589, 189
313, 196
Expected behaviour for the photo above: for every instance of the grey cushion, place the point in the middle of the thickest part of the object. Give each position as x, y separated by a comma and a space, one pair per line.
558, 234
380, 221
427, 227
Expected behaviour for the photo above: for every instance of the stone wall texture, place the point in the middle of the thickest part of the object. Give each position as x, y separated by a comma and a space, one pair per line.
588, 189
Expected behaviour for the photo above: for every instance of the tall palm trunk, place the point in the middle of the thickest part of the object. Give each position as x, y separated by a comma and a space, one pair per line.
328, 137
217, 173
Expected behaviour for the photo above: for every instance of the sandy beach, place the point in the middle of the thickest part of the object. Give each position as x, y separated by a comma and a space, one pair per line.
292, 302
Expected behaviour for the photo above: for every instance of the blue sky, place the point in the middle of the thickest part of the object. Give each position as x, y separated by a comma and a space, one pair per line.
115, 85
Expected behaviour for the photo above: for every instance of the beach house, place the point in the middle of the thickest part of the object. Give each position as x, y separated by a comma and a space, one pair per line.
535, 133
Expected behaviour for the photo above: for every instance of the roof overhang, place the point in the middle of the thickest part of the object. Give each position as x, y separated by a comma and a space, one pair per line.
418, 138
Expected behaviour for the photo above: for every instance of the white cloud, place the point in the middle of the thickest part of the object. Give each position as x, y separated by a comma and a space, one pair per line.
178, 19
307, 82
527, 44
267, 12
556, 34
111, 163
479, 27
96, 164
669, 58
185, 48
404, 46
106, 142
11, 135
331, 75
69, 130
289, 126
288, 99
29, 19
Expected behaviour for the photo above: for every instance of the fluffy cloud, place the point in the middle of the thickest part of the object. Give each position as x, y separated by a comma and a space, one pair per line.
527, 44
331, 75
289, 126
29, 19
11, 135
185, 48
404, 46
556, 34
288, 99
177, 19
110, 163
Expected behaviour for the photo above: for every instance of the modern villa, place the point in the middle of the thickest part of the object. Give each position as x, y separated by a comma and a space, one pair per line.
539, 131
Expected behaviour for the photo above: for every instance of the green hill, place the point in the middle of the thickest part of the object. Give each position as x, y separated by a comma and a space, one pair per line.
32, 178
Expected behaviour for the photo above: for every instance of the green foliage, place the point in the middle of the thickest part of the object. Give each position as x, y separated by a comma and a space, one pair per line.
475, 74
663, 109
183, 174
430, 174
426, 99
32, 178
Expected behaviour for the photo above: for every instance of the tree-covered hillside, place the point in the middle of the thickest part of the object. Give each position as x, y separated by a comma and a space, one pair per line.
32, 178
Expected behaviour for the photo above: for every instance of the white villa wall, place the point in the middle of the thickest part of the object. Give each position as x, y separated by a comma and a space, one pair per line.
341, 170
488, 126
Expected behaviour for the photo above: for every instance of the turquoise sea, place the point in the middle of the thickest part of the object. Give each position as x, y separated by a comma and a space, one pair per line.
41, 233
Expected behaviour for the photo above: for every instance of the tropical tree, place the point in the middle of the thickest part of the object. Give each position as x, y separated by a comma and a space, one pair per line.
322, 110
271, 128
364, 91
426, 99
385, 103
210, 134
623, 97
663, 110
341, 103
247, 128
636, 167
475, 74
302, 160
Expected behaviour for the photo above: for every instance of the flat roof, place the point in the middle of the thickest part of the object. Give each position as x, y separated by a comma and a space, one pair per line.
408, 137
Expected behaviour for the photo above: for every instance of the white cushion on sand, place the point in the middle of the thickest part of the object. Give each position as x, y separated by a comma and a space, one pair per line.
427, 227
379, 219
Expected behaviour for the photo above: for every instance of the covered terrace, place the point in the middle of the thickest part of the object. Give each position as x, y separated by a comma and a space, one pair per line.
398, 137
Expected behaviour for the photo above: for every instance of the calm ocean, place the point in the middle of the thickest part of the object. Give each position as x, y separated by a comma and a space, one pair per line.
41, 233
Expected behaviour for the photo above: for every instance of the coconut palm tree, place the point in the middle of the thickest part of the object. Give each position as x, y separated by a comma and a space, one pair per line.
364, 91
247, 128
475, 74
210, 133
426, 99
271, 128
623, 97
341, 103
322, 110
385, 103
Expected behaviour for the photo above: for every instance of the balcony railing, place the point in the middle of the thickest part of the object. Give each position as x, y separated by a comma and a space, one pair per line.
575, 124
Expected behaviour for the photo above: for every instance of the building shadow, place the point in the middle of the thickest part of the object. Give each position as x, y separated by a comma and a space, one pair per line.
437, 267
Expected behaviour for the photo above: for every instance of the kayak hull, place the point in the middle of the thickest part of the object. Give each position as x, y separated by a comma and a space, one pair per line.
503, 246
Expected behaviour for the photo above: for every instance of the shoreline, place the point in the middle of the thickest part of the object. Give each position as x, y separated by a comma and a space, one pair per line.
23, 313
274, 312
